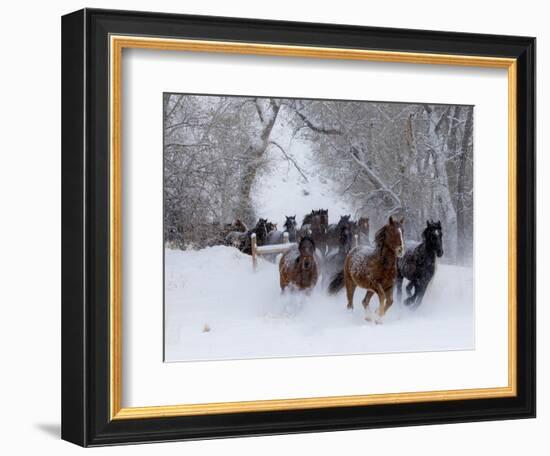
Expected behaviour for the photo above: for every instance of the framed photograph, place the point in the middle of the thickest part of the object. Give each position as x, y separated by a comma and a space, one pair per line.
278, 227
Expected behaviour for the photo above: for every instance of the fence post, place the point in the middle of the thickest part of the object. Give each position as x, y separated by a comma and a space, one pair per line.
285, 237
254, 248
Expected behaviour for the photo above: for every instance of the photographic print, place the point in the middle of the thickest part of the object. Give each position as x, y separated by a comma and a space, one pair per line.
311, 227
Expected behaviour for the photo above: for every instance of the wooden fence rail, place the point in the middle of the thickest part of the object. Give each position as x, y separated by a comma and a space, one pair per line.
268, 249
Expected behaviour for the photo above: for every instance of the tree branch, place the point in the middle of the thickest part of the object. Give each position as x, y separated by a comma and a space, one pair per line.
374, 178
317, 129
290, 159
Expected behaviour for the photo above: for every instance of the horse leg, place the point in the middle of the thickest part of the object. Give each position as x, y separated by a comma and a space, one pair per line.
411, 297
399, 285
366, 301
389, 301
419, 294
409, 287
382, 298
350, 288
322, 247
283, 282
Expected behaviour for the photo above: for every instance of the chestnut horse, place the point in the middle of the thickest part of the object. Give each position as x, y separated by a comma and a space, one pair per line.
298, 266
373, 269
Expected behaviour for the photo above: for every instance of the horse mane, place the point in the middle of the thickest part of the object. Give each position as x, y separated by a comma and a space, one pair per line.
424, 233
307, 218
380, 237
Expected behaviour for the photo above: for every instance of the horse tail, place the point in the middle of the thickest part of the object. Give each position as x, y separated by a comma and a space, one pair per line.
337, 283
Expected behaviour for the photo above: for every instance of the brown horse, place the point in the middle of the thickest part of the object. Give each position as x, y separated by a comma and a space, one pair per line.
373, 269
298, 266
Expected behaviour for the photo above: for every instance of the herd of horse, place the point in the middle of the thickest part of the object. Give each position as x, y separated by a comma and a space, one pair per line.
329, 250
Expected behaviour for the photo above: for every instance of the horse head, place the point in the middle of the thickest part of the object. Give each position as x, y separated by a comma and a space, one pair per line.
290, 224
307, 252
391, 236
344, 220
363, 224
270, 226
238, 225
261, 229
433, 237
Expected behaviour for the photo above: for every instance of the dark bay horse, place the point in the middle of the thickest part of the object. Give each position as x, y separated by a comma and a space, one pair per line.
373, 268
334, 261
298, 266
315, 225
362, 230
418, 264
333, 231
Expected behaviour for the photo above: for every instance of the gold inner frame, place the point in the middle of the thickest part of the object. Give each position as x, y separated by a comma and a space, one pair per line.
117, 44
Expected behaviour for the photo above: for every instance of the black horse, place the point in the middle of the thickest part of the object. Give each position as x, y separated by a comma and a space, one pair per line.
243, 242
418, 264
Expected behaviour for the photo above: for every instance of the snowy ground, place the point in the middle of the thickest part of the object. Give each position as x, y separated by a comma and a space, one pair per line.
217, 308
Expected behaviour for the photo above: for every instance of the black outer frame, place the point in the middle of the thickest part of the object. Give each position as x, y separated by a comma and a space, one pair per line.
85, 227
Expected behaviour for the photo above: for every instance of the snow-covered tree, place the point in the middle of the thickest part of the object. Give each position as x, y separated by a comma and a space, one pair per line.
384, 159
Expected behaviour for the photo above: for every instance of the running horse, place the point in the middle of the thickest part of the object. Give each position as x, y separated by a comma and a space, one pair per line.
418, 265
298, 266
374, 269
334, 261
315, 225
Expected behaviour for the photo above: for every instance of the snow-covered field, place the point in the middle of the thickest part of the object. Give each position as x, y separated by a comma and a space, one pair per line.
217, 307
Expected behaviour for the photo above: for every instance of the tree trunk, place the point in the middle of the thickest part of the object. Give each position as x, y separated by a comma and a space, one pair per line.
255, 152
442, 192
461, 186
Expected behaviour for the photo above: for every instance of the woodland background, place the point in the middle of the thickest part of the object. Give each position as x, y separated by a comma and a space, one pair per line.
414, 160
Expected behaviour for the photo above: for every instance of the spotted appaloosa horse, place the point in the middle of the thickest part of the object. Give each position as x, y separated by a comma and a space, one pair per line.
298, 266
373, 268
418, 264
